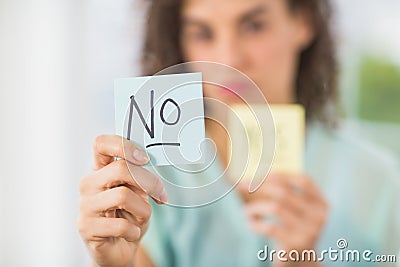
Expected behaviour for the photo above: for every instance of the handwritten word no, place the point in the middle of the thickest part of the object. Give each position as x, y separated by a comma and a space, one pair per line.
150, 130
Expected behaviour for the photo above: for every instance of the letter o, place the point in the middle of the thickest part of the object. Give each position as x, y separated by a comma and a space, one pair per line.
162, 112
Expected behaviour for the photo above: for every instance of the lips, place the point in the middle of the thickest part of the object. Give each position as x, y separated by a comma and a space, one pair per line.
234, 88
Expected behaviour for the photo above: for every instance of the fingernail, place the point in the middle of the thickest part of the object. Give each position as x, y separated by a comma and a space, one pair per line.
157, 201
164, 196
140, 155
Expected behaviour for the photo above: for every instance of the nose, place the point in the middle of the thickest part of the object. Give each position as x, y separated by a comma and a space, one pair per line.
228, 51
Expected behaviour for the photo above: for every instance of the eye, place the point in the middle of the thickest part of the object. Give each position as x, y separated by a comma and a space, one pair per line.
199, 35
253, 26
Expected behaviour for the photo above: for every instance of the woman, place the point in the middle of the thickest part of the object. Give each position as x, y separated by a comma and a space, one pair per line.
286, 48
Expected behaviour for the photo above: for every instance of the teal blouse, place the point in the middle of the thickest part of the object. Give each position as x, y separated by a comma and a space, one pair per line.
360, 181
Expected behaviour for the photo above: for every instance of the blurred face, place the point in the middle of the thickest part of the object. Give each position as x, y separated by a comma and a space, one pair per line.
261, 38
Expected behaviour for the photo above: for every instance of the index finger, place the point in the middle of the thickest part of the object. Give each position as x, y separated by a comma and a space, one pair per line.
299, 183
107, 147
120, 172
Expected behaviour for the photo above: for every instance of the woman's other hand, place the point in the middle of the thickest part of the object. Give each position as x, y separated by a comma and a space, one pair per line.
288, 209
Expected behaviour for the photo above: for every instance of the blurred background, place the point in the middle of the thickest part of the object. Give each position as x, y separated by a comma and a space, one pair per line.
58, 60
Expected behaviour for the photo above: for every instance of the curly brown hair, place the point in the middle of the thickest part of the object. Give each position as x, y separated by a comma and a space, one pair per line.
316, 84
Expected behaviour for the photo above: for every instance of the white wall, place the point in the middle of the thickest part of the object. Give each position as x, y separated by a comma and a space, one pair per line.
36, 212
58, 59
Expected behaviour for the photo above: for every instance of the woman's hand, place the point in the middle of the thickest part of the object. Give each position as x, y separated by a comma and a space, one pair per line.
114, 208
288, 209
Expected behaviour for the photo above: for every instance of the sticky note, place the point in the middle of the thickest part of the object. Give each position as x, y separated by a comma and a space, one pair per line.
252, 142
261, 143
290, 138
163, 114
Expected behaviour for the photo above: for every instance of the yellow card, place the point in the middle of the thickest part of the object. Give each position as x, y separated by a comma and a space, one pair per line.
252, 142
290, 138
260, 140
